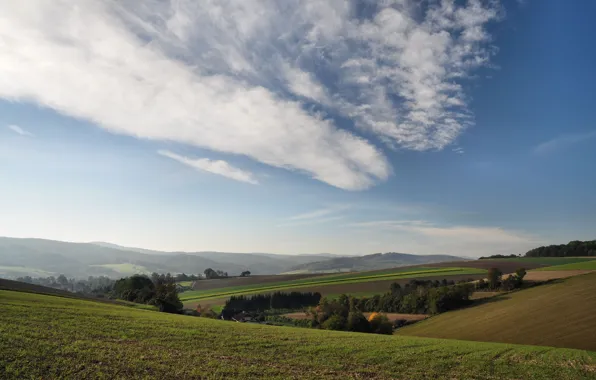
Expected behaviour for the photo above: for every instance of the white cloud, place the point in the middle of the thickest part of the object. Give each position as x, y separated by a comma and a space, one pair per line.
459, 150
460, 233
320, 212
232, 76
19, 130
219, 167
563, 142
312, 221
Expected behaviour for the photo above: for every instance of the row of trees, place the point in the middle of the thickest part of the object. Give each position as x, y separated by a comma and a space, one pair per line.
277, 300
418, 297
573, 248
512, 256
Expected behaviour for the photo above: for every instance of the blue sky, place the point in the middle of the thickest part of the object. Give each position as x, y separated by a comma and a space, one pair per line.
456, 127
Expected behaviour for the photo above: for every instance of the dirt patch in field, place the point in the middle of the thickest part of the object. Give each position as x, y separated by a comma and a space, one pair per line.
482, 295
391, 316
250, 280
553, 274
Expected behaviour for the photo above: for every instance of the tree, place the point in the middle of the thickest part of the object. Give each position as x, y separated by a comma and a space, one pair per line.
494, 278
520, 273
357, 322
246, 273
379, 324
334, 322
210, 273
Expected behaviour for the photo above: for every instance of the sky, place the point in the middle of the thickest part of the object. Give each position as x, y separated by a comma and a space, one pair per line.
346, 127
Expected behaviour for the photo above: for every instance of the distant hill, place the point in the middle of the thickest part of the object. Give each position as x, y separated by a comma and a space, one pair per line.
40, 258
561, 314
371, 262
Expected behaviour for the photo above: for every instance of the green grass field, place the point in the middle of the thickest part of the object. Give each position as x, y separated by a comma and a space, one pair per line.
547, 260
561, 314
185, 283
322, 281
581, 265
53, 337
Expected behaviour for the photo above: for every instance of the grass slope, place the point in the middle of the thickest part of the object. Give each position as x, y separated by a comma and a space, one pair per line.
582, 265
562, 314
52, 337
322, 281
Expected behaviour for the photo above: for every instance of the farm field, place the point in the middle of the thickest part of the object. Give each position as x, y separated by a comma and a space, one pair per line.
54, 337
320, 283
561, 314
581, 265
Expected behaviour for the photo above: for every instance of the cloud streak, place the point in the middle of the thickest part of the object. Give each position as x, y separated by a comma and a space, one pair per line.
449, 233
262, 79
19, 130
563, 142
218, 167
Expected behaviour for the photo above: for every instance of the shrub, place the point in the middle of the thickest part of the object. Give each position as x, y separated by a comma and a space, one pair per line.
357, 322
380, 324
335, 322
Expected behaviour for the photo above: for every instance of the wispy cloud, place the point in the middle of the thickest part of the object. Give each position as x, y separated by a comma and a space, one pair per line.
219, 167
474, 234
19, 130
563, 142
458, 150
319, 213
256, 78
311, 221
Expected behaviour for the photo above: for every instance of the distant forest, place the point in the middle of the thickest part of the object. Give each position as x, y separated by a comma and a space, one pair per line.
573, 248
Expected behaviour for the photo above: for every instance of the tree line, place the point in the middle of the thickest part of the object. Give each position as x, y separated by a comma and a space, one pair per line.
277, 300
573, 248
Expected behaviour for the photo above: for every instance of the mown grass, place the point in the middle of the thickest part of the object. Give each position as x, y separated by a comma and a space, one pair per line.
52, 337
326, 280
561, 314
581, 265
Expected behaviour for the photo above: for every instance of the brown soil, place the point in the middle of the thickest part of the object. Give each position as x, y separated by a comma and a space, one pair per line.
482, 295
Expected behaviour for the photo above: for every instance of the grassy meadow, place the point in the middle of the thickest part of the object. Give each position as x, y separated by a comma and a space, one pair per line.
323, 281
559, 314
581, 265
46, 336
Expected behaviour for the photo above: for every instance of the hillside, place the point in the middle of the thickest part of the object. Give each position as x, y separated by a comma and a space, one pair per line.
372, 282
561, 314
89, 339
40, 257
371, 262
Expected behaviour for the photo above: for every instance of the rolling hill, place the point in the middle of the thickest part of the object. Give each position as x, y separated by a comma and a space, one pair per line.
54, 337
371, 262
40, 257
560, 314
